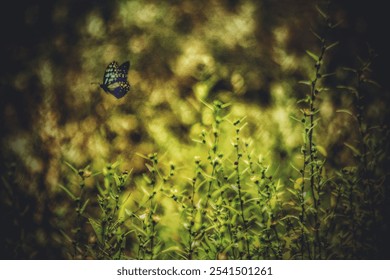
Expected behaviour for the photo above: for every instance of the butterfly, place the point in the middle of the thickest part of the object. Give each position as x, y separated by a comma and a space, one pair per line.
115, 79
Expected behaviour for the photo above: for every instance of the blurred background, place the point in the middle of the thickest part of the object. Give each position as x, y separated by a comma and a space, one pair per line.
248, 53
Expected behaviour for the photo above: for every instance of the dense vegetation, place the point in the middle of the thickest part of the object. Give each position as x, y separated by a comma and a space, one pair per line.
252, 130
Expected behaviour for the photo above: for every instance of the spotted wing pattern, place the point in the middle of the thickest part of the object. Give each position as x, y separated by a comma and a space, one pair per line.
115, 79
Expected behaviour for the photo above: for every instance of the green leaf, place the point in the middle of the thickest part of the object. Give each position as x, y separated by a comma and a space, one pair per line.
210, 244
322, 150
289, 216
345, 111
312, 55
232, 209
323, 14
295, 119
295, 168
336, 24
142, 156
97, 228
197, 141
67, 237
96, 173
351, 89
225, 105
149, 167
332, 45
373, 83
327, 75
206, 104
106, 183
71, 195
317, 36
354, 150
84, 206
128, 212
71, 167
146, 192
350, 69
268, 223
117, 180
171, 249
322, 89
305, 229
115, 164
308, 83
100, 189
210, 228
298, 183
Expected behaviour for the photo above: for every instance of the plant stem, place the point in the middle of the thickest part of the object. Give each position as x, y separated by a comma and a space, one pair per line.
238, 182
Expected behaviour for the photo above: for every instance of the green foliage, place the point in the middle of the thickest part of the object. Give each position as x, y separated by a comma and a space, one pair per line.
230, 155
231, 208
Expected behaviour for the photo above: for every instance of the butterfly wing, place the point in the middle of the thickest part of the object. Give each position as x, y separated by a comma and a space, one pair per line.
119, 89
115, 79
110, 73
124, 68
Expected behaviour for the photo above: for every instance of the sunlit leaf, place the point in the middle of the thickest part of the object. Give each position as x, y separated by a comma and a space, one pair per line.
290, 217
149, 167
171, 249
72, 167
322, 150
327, 75
295, 119
142, 156
68, 192
308, 83
115, 164
298, 183
97, 228
232, 209
117, 180
345, 111
312, 55
84, 206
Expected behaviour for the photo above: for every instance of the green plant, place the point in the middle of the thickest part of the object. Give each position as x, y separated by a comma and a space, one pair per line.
231, 202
